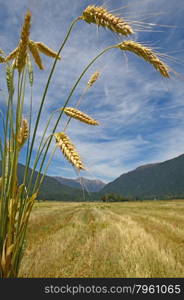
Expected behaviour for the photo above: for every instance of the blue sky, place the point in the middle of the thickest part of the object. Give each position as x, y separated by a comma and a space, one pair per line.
141, 114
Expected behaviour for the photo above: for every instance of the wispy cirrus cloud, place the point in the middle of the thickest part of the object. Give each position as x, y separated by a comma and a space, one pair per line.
141, 114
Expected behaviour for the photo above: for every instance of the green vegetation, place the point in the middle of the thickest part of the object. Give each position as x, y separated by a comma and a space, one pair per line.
113, 197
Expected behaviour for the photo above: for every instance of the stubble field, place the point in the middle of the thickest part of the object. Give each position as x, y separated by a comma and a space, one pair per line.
131, 239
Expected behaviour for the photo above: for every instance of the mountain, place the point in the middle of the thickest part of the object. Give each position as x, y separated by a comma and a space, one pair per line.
91, 185
51, 189
163, 180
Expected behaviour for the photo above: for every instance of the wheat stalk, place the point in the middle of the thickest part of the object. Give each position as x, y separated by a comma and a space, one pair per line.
147, 54
79, 115
68, 150
102, 17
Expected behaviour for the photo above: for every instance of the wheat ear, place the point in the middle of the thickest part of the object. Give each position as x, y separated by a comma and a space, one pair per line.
2, 59
30, 70
94, 77
23, 44
102, 17
9, 78
23, 133
35, 53
12, 55
147, 54
79, 115
68, 150
46, 50
1, 51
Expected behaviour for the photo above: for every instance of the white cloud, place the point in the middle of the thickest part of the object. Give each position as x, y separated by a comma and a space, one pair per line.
130, 99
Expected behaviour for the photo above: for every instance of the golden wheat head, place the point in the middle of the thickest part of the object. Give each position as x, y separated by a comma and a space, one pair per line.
94, 77
24, 41
13, 54
35, 53
2, 59
102, 17
79, 115
9, 78
68, 150
30, 70
23, 133
46, 50
26, 27
147, 54
1, 51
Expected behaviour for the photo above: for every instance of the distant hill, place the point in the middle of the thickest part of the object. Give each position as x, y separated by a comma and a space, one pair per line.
163, 180
51, 189
91, 185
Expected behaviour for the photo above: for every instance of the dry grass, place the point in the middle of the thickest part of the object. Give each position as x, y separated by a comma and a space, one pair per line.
105, 240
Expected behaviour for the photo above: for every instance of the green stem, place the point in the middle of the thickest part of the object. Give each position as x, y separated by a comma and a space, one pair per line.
45, 171
13, 173
30, 121
38, 157
1, 151
3, 216
8, 187
70, 95
77, 104
3, 121
23, 199
39, 152
45, 93
12, 187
